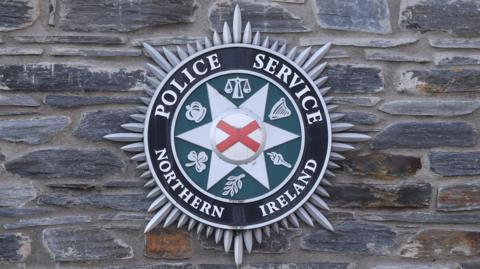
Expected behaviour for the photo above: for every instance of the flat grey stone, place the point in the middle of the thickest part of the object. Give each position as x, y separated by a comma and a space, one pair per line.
440, 81
358, 101
71, 185
33, 131
354, 79
167, 40
50, 221
55, 77
336, 54
391, 56
430, 108
359, 117
416, 195
14, 247
84, 244
455, 163
360, 42
17, 112
6, 212
313, 265
61, 163
454, 59
71, 39
469, 265
407, 266
122, 16
95, 124
420, 217
291, 1
459, 197
124, 184
17, 14
162, 265
370, 16
264, 17
123, 217
352, 237
15, 194
457, 17
95, 52
74, 101
425, 135
20, 52
125, 202
455, 43
18, 100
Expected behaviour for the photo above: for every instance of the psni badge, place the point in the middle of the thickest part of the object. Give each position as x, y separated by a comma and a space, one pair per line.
237, 137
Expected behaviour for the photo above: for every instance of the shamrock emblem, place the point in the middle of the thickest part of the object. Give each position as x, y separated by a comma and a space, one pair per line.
197, 160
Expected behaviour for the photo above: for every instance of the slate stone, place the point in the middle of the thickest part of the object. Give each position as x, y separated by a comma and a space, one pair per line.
18, 100
454, 59
61, 163
20, 52
457, 17
162, 265
425, 218
125, 202
124, 184
446, 108
95, 52
442, 243
383, 166
336, 54
359, 117
450, 164
313, 265
351, 237
414, 195
440, 81
95, 124
390, 56
459, 197
408, 266
469, 265
455, 43
33, 131
123, 217
370, 16
360, 42
167, 40
55, 77
84, 244
264, 17
168, 243
17, 112
74, 101
17, 14
70, 185
425, 135
71, 39
16, 194
358, 101
122, 15
14, 247
354, 79
50, 221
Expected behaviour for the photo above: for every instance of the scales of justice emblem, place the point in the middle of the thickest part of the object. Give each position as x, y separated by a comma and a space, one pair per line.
236, 149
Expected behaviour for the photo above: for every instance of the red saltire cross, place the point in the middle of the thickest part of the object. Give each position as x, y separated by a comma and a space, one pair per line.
238, 135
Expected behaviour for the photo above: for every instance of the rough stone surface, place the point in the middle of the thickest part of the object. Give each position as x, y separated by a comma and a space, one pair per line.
460, 197
95, 124
15, 194
352, 237
454, 59
469, 265
409, 266
455, 43
19, 52
440, 81
18, 100
125, 202
390, 56
449, 108
84, 244
381, 196
371, 16
313, 265
442, 243
14, 247
17, 14
122, 15
264, 17
433, 218
56, 77
358, 101
457, 17
168, 243
455, 163
167, 40
61, 163
361, 79
383, 165
71, 39
359, 42
32, 131
74, 101
70, 185
151, 265
26, 223
425, 135
358, 117
96, 52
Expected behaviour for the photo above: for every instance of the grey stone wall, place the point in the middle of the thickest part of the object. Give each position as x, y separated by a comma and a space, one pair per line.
405, 71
